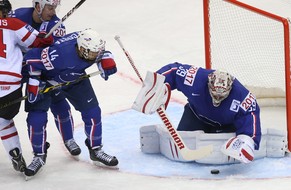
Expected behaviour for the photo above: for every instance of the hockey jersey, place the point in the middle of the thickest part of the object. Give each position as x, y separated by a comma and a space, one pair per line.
58, 63
239, 108
14, 35
25, 14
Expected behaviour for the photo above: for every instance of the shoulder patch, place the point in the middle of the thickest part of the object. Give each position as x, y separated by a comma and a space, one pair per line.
234, 106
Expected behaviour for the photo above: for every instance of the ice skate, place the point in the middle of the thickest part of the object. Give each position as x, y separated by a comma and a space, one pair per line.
73, 148
36, 165
100, 158
18, 161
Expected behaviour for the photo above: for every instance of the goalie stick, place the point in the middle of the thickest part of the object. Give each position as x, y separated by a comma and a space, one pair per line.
186, 153
51, 88
65, 17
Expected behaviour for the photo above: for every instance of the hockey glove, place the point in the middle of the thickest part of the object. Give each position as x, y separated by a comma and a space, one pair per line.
33, 88
41, 41
153, 94
240, 148
106, 65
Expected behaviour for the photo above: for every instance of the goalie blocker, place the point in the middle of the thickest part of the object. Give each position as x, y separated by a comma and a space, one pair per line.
155, 139
153, 94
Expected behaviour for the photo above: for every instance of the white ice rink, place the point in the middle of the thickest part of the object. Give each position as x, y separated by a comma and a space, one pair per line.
155, 32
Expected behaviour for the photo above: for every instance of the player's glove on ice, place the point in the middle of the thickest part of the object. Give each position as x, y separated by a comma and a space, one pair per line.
34, 87
106, 65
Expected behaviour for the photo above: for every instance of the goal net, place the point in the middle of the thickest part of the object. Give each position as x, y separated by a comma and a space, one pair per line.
254, 45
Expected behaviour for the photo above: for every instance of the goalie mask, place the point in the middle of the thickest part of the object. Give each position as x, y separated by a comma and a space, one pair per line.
219, 85
90, 44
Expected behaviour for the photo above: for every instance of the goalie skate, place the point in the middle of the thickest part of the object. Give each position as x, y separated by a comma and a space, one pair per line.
36, 165
100, 158
18, 161
73, 148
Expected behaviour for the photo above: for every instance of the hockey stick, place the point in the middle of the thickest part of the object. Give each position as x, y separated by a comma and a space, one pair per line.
51, 88
65, 17
186, 153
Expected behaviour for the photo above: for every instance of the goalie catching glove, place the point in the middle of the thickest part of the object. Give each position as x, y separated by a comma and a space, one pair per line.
240, 147
153, 94
106, 64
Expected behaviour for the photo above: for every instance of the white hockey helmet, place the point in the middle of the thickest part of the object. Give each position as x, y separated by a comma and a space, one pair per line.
219, 85
90, 44
42, 3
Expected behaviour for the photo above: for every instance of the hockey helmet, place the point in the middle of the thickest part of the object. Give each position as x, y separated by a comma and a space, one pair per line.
5, 7
219, 85
42, 3
90, 44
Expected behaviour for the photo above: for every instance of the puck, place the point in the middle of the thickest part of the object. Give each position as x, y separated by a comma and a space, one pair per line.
214, 171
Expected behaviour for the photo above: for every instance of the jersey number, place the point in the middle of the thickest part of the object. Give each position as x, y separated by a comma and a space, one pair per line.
2, 46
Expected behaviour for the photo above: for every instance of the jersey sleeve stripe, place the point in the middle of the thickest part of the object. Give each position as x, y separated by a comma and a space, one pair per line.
11, 74
26, 36
254, 125
169, 71
10, 83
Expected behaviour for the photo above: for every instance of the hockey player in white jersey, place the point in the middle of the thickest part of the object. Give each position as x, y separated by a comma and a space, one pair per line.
14, 35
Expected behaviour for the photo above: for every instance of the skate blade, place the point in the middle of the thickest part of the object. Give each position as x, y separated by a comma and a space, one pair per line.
27, 178
77, 158
103, 166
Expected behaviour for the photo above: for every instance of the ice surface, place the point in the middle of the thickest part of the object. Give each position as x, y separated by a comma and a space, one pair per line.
155, 32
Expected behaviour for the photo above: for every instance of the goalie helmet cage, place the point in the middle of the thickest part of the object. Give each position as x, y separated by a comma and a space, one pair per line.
252, 44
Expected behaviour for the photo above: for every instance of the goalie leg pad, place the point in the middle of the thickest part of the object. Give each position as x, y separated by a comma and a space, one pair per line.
276, 143
155, 139
217, 140
149, 139
168, 147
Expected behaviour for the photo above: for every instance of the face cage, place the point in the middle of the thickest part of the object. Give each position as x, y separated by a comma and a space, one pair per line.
90, 55
218, 97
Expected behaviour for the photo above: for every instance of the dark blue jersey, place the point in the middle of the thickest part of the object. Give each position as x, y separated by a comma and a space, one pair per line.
240, 108
59, 62
25, 14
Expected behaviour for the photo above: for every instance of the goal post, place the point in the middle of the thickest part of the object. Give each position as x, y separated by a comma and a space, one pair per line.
253, 44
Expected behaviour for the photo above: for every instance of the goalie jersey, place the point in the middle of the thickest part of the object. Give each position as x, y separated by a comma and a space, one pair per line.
240, 108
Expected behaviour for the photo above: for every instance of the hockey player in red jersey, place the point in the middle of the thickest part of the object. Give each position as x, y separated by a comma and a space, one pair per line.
14, 35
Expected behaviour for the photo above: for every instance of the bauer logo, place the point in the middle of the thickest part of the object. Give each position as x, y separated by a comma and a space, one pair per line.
4, 88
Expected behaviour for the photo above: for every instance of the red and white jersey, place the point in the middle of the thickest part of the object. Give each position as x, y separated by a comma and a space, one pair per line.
15, 35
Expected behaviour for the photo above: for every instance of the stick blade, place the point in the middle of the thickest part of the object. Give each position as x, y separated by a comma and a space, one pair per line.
191, 155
